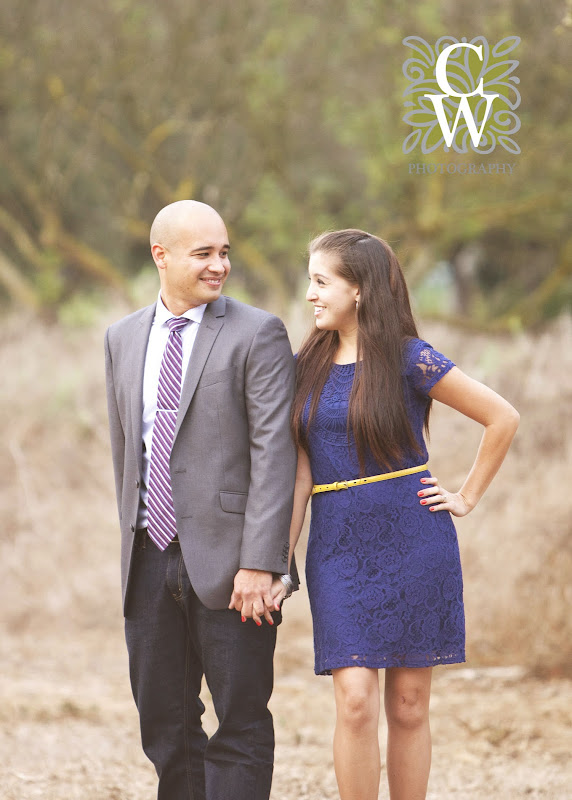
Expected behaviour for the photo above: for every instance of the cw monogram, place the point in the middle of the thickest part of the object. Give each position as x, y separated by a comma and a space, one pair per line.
446, 118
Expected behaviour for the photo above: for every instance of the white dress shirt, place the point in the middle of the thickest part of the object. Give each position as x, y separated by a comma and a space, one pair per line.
155, 347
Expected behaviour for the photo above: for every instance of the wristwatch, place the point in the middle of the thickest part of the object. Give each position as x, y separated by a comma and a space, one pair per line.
288, 584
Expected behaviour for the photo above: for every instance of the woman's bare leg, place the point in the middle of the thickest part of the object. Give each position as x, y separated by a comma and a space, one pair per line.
356, 744
407, 694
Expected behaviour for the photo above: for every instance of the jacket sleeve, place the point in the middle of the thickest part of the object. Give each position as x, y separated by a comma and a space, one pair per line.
115, 427
269, 391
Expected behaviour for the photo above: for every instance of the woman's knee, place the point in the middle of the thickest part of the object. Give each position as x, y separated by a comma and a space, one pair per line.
407, 707
357, 703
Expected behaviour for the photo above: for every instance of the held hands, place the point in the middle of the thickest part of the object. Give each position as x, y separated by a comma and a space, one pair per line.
435, 498
255, 595
278, 592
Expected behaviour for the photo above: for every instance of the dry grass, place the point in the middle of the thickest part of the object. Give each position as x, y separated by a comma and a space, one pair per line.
65, 673
516, 546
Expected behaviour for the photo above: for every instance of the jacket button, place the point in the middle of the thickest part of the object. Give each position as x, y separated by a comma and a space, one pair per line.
132, 528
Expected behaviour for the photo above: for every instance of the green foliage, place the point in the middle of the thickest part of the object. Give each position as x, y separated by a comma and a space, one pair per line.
287, 117
81, 310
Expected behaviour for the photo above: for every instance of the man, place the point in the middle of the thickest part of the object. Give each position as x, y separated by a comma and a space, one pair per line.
199, 394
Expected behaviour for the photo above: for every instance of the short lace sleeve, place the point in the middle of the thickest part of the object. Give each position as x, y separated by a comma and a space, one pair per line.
425, 366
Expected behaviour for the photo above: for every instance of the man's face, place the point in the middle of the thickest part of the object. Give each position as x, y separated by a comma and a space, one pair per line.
195, 264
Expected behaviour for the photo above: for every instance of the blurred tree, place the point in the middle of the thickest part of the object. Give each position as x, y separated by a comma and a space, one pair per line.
286, 116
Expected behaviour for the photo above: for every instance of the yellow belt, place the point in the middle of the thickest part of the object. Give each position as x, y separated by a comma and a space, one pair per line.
335, 487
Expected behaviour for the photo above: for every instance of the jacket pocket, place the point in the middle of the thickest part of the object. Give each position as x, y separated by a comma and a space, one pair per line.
219, 376
233, 502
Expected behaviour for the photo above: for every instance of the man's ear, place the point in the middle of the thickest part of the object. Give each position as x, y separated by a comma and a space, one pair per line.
159, 254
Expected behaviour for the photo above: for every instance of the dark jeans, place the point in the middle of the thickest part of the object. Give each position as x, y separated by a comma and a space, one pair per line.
172, 640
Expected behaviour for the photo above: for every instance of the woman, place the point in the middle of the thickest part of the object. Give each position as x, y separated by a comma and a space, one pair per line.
383, 568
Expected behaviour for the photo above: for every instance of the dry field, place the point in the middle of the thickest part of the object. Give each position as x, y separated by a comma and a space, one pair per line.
502, 723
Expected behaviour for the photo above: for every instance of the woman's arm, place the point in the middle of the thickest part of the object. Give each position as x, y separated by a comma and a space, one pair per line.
302, 492
500, 421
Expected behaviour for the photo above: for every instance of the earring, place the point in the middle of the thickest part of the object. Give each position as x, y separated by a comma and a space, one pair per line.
357, 304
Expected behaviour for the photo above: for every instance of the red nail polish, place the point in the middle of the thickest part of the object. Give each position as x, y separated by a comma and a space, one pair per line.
259, 623
271, 622
243, 619
433, 509
423, 480
423, 502
420, 494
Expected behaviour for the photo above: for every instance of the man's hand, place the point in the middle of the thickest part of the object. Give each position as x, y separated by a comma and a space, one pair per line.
252, 595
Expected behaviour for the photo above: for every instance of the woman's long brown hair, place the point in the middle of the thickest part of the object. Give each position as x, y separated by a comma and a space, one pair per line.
377, 415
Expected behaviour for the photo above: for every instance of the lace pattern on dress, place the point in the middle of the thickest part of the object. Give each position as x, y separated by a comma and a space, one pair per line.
383, 574
425, 366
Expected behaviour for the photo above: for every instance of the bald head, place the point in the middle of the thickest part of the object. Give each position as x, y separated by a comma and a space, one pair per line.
189, 244
176, 218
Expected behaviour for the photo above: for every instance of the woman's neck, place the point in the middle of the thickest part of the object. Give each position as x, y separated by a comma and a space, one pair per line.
347, 349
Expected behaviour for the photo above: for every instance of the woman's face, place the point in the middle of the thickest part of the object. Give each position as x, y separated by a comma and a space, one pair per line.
333, 298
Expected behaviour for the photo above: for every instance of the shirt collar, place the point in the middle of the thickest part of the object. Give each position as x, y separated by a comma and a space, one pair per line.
162, 313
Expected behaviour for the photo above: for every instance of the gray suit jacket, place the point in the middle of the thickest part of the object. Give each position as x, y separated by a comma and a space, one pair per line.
233, 461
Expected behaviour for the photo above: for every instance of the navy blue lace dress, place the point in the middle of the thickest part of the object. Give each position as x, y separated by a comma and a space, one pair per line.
383, 572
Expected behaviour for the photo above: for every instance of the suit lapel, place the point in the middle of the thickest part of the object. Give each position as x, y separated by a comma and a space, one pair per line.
212, 322
138, 349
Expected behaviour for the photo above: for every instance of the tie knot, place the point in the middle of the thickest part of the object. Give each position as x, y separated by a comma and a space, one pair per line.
177, 323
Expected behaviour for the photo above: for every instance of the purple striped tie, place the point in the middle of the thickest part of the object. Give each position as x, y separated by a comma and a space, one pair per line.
161, 522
